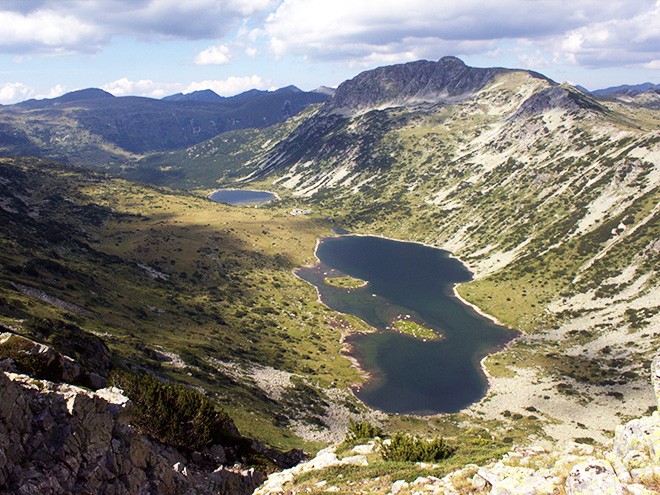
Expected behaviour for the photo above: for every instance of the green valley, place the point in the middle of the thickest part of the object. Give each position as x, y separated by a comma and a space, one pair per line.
194, 291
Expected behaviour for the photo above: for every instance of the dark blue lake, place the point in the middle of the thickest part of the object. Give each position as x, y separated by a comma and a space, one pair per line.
410, 280
242, 197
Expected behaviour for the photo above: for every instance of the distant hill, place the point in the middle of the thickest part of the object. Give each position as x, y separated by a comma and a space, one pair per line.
80, 95
92, 127
626, 88
207, 95
326, 90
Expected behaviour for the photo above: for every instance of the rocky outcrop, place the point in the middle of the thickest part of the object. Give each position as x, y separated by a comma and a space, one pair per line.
565, 98
324, 459
58, 438
38, 360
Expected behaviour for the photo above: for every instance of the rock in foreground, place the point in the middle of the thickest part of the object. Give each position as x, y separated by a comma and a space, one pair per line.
60, 439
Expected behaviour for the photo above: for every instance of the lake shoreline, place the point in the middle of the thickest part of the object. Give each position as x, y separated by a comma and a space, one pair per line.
353, 355
455, 293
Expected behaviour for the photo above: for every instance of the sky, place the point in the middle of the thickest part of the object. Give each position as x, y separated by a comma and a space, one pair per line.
156, 48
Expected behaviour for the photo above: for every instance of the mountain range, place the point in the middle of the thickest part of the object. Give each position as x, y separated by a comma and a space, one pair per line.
627, 88
549, 194
92, 127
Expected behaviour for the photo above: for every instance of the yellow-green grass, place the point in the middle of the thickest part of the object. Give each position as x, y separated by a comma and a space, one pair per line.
415, 329
201, 279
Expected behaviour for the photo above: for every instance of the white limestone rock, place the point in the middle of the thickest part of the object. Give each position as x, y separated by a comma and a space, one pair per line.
594, 477
398, 486
655, 377
637, 443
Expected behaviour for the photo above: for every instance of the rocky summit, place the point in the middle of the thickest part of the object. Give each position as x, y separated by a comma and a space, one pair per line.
417, 82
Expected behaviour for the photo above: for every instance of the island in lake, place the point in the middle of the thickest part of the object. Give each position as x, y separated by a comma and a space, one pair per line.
415, 329
345, 282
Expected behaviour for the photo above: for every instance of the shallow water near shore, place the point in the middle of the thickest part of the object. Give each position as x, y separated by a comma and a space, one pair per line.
408, 281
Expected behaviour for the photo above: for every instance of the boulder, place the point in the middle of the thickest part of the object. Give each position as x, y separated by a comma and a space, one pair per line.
637, 443
39, 360
594, 477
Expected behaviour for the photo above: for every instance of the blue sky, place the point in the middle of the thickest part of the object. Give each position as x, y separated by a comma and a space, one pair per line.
160, 47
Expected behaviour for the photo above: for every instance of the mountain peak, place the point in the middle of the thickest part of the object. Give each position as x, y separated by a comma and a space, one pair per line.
289, 89
414, 82
204, 95
78, 95
451, 60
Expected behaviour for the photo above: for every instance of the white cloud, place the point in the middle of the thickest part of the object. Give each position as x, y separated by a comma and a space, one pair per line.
47, 31
384, 31
251, 7
14, 92
144, 87
231, 86
52, 27
214, 55
627, 40
354, 33
653, 65
534, 61
54, 92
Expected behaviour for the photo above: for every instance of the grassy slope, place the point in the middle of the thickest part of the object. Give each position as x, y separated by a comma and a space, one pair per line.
58, 136
152, 270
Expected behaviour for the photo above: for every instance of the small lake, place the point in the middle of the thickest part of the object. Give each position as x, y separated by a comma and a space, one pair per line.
242, 197
415, 282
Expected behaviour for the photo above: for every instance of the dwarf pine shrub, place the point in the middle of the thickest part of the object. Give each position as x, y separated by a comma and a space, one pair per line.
363, 430
409, 448
172, 413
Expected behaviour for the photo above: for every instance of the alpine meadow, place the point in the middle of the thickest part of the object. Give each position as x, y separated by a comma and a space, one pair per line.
157, 341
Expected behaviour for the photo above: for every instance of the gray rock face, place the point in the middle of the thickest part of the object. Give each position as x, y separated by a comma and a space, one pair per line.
22, 355
43, 360
556, 97
60, 439
414, 82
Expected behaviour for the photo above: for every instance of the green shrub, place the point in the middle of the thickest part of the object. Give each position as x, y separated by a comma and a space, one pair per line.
174, 414
35, 365
405, 447
363, 430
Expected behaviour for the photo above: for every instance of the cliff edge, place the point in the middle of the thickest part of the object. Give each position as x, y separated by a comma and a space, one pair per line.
60, 439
